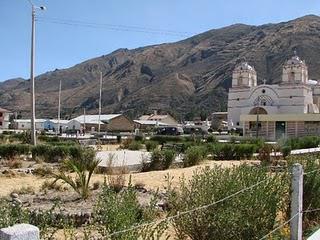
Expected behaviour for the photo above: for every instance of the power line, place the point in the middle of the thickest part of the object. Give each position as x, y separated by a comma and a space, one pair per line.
188, 211
114, 27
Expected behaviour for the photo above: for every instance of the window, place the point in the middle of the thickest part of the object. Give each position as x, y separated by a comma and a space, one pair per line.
0, 123
238, 99
240, 81
263, 91
291, 76
238, 123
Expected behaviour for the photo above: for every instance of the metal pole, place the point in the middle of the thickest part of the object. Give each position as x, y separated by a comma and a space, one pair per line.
59, 102
100, 101
84, 120
296, 202
33, 110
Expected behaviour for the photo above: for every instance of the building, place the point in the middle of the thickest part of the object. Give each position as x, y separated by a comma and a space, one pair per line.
4, 118
287, 109
25, 124
166, 118
147, 125
52, 124
108, 123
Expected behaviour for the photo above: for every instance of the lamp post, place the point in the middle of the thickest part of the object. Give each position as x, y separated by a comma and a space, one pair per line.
32, 67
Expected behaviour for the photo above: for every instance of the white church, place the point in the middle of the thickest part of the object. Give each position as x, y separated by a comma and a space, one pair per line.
287, 109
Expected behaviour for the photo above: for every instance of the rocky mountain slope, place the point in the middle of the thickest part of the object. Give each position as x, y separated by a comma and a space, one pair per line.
183, 78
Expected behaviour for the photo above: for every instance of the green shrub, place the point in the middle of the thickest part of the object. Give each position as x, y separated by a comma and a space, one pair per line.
193, 156
118, 211
161, 139
228, 151
303, 142
285, 150
211, 139
233, 218
160, 160
138, 138
134, 145
10, 151
151, 145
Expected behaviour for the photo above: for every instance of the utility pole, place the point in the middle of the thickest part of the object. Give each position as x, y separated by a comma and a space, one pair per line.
59, 103
100, 101
257, 123
33, 107
84, 120
32, 67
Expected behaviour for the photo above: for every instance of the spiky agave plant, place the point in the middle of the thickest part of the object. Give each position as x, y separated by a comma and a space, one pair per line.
83, 166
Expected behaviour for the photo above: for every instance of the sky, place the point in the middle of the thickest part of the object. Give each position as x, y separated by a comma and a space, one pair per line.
71, 31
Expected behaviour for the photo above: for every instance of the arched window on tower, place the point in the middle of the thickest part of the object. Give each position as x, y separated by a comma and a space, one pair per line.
240, 81
291, 77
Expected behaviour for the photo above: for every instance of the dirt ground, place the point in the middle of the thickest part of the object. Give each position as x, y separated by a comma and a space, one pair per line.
151, 180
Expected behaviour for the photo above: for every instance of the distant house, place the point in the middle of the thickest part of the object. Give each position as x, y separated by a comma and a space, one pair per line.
147, 124
25, 124
52, 124
108, 122
167, 119
4, 118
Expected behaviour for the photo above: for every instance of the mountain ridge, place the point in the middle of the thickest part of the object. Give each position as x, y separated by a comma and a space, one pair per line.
184, 78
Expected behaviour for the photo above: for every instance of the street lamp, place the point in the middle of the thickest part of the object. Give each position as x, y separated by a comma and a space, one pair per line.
33, 108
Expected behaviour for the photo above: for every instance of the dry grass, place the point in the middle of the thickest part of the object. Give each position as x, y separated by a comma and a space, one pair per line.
151, 180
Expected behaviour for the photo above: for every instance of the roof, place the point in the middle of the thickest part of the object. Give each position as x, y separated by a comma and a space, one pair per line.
94, 119
219, 113
149, 122
244, 66
295, 60
29, 120
55, 121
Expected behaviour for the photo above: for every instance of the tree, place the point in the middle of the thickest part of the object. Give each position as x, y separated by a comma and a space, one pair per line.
83, 165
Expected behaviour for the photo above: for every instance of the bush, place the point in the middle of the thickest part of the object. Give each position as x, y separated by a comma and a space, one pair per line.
151, 145
233, 218
233, 151
10, 151
303, 142
118, 211
134, 146
161, 139
193, 156
138, 138
56, 153
285, 150
211, 139
160, 160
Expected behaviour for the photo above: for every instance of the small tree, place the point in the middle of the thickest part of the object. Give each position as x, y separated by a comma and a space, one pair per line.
83, 166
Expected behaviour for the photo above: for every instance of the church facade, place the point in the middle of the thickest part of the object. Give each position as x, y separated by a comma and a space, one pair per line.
287, 109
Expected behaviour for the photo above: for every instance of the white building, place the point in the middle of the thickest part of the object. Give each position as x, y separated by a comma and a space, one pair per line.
4, 118
25, 124
54, 124
287, 109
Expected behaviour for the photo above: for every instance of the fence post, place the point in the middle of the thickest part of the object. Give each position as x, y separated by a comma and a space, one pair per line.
296, 202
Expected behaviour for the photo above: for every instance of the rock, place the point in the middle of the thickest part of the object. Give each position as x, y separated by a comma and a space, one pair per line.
14, 195
20, 232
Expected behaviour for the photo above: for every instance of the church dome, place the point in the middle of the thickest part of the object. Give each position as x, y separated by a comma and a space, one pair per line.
244, 66
294, 60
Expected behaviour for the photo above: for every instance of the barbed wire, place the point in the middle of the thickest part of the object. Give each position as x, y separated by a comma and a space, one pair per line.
316, 170
280, 226
188, 211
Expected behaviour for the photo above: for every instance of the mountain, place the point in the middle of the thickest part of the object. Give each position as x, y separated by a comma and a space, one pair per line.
183, 78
